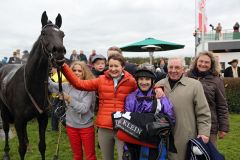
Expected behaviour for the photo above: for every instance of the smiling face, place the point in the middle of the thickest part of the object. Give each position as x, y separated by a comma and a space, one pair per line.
78, 71
175, 69
115, 68
144, 83
203, 63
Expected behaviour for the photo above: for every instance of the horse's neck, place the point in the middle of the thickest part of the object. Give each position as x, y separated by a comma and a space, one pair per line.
36, 68
35, 77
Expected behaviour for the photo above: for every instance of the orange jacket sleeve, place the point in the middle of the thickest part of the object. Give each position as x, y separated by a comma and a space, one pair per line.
87, 85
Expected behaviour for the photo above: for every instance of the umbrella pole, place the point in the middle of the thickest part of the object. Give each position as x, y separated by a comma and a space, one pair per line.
151, 57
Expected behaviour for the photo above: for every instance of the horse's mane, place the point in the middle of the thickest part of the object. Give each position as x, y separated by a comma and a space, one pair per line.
35, 45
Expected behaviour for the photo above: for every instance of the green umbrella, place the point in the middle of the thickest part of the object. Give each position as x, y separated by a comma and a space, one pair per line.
136, 47
151, 45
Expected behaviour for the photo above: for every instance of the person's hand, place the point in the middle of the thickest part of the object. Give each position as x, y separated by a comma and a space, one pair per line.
204, 138
65, 96
159, 92
221, 134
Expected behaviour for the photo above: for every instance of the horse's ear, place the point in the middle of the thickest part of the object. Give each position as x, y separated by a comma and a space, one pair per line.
58, 21
44, 19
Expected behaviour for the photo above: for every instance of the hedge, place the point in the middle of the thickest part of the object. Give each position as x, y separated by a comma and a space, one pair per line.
232, 89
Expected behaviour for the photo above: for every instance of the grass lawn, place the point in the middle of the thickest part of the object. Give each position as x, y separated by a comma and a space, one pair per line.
229, 146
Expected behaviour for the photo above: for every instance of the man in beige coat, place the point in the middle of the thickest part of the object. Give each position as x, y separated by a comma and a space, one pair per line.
193, 117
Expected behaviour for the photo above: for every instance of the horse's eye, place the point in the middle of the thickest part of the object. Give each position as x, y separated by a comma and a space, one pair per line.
63, 35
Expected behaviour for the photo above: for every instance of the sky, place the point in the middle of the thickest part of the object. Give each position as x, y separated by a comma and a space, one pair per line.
99, 24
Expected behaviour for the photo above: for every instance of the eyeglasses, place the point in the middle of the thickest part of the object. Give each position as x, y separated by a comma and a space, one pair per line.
77, 70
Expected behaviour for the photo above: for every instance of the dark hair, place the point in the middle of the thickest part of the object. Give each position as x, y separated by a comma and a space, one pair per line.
117, 57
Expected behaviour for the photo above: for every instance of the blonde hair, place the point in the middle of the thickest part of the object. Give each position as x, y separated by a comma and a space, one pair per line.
87, 73
215, 67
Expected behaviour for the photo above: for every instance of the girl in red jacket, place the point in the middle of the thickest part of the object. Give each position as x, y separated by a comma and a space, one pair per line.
113, 87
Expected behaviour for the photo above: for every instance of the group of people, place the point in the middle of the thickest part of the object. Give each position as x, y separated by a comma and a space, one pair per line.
80, 57
16, 58
218, 30
201, 112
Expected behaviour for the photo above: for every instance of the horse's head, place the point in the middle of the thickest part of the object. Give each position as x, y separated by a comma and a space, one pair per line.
52, 39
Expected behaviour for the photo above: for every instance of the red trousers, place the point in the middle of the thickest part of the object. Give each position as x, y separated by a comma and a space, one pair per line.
79, 137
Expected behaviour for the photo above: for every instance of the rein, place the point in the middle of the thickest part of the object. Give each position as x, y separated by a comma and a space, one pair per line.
51, 62
50, 58
30, 96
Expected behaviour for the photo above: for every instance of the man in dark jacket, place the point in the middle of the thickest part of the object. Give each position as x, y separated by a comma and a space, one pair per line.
233, 70
83, 57
14, 59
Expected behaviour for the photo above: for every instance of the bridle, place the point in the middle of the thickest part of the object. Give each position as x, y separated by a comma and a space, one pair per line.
51, 60
48, 53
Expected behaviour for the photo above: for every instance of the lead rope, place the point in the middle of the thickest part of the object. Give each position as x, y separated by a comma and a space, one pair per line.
56, 155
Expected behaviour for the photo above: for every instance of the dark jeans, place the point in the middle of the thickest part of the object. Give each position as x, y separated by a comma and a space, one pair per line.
54, 121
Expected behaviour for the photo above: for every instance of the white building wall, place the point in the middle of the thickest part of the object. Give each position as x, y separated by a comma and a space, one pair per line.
224, 57
227, 57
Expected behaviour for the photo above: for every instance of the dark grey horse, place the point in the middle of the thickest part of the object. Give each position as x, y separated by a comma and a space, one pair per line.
23, 88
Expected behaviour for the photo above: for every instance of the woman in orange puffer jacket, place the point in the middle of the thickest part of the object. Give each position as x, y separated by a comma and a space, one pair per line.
113, 87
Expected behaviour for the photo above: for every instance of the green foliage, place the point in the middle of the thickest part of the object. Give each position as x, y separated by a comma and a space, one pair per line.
232, 88
229, 146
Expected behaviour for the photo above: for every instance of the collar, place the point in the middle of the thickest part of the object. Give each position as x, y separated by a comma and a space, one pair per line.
120, 77
182, 80
192, 75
